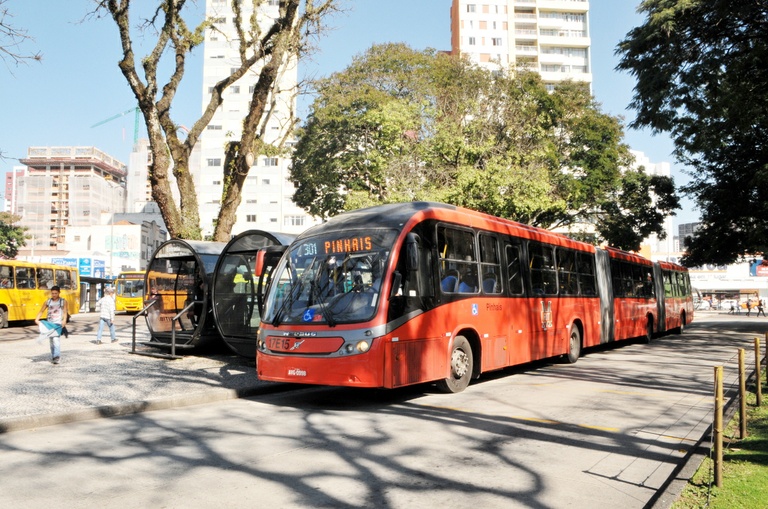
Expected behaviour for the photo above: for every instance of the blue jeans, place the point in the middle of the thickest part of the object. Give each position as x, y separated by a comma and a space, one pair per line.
55, 341
109, 324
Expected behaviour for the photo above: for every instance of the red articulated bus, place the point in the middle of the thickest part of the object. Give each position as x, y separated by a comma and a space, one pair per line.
418, 292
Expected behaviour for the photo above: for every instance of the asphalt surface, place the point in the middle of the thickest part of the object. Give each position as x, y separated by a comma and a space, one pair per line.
94, 381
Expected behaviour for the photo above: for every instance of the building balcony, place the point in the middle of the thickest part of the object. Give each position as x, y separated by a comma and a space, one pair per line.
564, 5
564, 38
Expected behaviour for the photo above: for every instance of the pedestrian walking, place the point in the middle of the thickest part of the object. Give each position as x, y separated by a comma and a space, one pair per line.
55, 322
749, 305
760, 309
106, 307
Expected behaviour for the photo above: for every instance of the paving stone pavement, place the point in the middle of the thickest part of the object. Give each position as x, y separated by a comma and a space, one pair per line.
94, 381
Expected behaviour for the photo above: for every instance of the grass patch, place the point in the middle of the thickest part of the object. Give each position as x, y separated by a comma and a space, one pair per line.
745, 468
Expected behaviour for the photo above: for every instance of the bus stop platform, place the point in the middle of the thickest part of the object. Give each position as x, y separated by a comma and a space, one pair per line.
102, 380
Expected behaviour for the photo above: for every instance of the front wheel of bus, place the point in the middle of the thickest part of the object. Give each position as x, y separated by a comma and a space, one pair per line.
574, 344
461, 367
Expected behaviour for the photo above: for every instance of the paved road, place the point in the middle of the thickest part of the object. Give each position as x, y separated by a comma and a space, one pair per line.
610, 431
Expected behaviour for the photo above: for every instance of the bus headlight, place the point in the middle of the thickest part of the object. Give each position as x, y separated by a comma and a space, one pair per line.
359, 347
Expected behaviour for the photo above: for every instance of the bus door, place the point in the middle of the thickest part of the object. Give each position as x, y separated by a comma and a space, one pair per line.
516, 308
543, 301
30, 299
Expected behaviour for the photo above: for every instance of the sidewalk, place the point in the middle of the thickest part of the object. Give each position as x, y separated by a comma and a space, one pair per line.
104, 380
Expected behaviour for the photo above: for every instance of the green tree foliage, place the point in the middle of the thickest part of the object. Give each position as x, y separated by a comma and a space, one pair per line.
12, 238
701, 75
403, 125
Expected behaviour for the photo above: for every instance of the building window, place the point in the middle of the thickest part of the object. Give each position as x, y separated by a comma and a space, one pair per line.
274, 3
496, 41
77, 238
250, 201
251, 218
219, 21
214, 162
213, 127
272, 219
293, 221
265, 182
270, 161
471, 41
217, 182
235, 89
470, 7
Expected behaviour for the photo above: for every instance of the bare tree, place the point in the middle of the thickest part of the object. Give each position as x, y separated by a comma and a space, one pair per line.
12, 38
264, 49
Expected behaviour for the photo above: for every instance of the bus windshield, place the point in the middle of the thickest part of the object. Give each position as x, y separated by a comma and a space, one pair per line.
131, 287
332, 278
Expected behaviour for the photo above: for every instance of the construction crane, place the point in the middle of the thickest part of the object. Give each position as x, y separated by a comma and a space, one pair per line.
136, 122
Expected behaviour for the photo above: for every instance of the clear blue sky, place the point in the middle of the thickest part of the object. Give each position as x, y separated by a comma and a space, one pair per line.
78, 83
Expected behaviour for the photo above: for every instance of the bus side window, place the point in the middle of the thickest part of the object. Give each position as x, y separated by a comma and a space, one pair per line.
514, 268
25, 278
6, 277
543, 275
45, 278
586, 270
63, 279
490, 264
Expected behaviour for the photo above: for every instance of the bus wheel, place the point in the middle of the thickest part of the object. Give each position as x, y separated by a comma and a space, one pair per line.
3, 318
461, 367
649, 330
574, 345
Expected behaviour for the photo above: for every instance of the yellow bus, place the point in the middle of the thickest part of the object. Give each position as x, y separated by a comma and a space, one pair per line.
25, 286
129, 294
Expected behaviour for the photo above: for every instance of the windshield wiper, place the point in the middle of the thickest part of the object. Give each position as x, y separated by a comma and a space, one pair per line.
317, 295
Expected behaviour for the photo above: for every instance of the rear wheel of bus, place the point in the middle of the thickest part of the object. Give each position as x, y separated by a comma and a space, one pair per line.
462, 364
574, 344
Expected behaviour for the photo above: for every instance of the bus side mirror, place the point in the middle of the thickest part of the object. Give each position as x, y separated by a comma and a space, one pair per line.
258, 268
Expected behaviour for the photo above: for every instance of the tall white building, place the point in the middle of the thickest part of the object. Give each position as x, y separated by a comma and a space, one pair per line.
267, 194
548, 36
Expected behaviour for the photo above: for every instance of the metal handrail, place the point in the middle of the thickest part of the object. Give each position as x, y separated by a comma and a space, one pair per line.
173, 324
174, 320
143, 312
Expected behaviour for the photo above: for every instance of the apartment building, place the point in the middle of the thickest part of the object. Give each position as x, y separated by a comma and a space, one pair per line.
267, 194
66, 186
548, 36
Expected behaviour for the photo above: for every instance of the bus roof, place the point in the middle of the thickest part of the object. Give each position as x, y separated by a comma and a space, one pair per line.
398, 215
